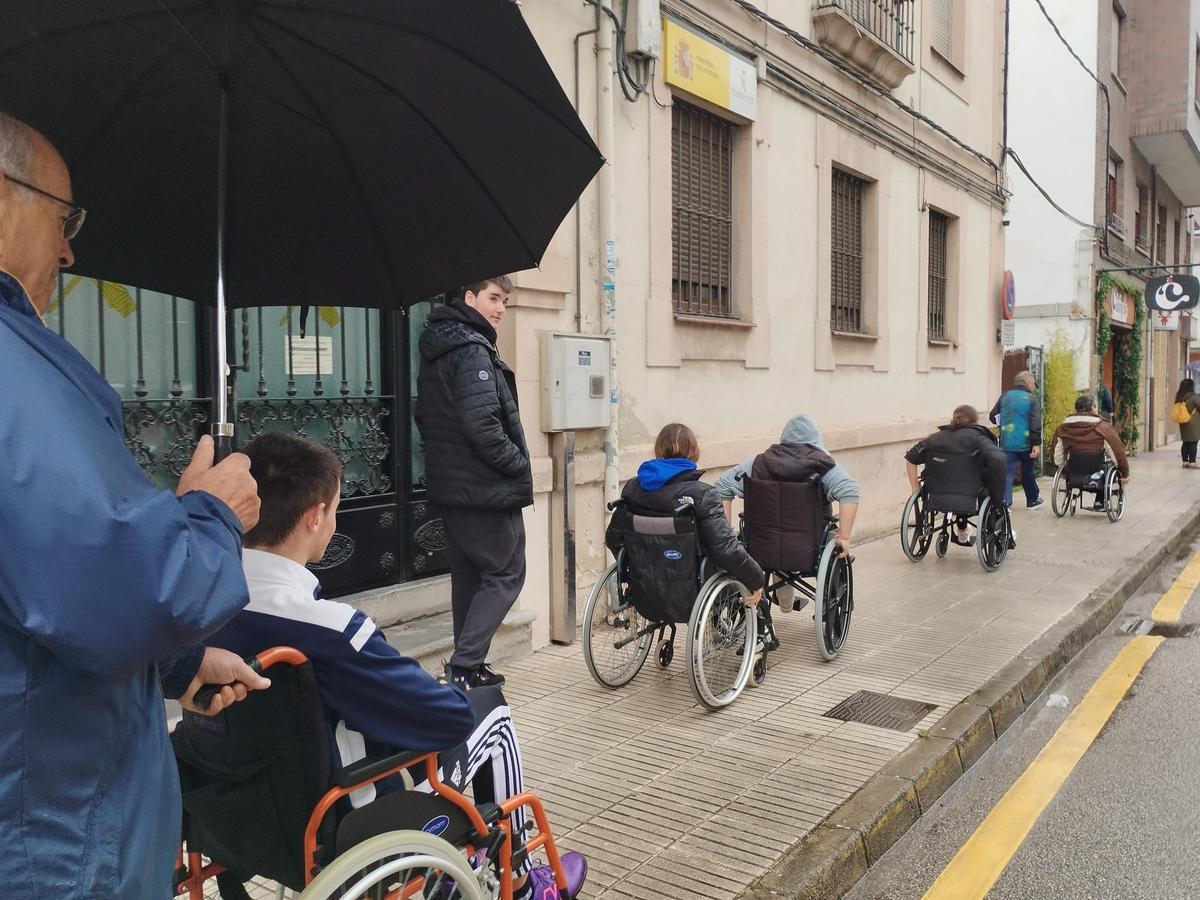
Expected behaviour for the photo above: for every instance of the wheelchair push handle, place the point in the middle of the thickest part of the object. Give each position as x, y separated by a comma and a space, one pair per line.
204, 696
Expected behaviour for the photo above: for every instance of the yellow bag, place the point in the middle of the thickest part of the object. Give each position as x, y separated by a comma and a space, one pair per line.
1180, 413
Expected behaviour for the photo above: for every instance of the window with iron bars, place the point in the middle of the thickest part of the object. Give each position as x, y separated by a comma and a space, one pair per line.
939, 230
846, 247
701, 212
1160, 242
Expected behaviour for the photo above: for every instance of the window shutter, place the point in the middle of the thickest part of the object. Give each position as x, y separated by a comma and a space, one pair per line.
942, 28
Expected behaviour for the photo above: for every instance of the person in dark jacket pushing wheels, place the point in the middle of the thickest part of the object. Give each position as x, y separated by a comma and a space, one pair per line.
477, 468
663, 482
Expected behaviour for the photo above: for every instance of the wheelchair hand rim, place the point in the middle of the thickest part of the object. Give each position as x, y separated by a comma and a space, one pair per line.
829, 644
712, 593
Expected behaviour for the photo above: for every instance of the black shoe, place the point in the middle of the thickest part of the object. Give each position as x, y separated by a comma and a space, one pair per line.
766, 635
457, 675
485, 676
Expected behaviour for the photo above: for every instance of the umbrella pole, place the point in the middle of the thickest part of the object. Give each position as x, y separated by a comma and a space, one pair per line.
222, 429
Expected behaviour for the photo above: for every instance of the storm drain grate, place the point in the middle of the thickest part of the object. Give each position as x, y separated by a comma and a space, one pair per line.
1158, 629
881, 710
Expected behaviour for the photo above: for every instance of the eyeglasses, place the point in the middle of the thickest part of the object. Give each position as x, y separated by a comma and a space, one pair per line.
72, 221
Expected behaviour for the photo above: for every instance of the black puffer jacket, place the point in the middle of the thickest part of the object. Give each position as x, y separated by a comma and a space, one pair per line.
475, 451
969, 441
717, 539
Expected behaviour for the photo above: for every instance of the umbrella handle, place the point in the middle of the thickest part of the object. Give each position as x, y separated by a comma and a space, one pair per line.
222, 434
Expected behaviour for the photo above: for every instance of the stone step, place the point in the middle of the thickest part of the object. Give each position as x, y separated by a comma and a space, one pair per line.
431, 640
400, 603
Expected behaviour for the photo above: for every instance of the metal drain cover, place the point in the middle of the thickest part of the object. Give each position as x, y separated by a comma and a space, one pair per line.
881, 710
1159, 629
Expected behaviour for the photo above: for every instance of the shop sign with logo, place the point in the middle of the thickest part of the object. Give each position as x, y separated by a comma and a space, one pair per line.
1172, 293
707, 70
1120, 307
1165, 319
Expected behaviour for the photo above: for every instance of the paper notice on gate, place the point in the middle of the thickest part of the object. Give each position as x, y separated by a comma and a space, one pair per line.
309, 355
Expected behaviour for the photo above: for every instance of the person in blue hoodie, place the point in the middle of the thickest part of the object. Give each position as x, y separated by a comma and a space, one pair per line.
672, 475
102, 576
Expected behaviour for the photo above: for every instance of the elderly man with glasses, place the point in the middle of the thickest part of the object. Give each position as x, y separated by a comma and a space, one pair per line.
107, 584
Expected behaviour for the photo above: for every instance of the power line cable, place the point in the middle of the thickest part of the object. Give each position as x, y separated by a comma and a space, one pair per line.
1041, 190
1107, 111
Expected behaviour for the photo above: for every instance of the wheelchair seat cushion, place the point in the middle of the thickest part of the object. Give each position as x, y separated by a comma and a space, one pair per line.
786, 509
251, 776
662, 560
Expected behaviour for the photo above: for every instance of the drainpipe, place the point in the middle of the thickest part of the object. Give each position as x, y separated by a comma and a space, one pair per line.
579, 202
608, 242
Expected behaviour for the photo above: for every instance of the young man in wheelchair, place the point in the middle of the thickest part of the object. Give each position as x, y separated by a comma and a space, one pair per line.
799, 453
1087, 435
376, 700
964, 437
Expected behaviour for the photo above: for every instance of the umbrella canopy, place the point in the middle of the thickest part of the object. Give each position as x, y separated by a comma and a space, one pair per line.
377, 151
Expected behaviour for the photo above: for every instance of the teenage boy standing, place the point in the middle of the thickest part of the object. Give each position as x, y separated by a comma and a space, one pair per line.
477, 468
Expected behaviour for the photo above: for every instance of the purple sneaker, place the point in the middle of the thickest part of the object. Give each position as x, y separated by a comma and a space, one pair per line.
541, 879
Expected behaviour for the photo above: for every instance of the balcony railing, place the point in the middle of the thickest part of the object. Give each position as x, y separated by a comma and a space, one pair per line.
890, 21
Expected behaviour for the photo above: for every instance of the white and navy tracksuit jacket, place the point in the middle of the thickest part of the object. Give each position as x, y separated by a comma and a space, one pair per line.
377, 700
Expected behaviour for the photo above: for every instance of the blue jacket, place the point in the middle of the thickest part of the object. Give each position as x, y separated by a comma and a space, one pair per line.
101, 575
1019, 415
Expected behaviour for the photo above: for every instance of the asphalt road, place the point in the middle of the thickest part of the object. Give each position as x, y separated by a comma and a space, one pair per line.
1124, 826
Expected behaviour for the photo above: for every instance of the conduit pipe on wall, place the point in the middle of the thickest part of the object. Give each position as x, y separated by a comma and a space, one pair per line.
605, 113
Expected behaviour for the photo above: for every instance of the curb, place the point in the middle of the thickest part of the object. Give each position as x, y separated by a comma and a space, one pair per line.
829, 860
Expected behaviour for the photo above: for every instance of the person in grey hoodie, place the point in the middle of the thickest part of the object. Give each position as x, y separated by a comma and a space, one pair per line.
837, 483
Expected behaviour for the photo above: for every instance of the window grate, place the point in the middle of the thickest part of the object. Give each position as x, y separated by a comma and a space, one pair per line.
889, 20
701, 212
846, 243
1160, 241
1141, 218
939, 229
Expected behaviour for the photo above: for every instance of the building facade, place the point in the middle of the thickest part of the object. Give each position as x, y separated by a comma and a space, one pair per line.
801, 212
1121, 150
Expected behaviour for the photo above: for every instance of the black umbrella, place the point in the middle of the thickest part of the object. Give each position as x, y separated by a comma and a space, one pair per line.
299, 152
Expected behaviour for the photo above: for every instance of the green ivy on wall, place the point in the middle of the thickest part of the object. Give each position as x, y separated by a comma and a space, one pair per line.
1127, 366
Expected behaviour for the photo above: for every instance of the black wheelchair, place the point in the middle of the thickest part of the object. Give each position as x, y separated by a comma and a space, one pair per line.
952, 487
1088, 473
789, 530
261, 798
660, 579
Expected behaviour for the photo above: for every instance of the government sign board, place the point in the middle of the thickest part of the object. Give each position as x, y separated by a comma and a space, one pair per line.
705, 69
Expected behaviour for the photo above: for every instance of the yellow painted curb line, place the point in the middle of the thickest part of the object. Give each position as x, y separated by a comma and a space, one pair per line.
981, 860
1170, 607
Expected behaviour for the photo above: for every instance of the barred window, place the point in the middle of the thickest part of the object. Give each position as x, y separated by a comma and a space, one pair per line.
701, 212
846, 243
939, 229
1141, 219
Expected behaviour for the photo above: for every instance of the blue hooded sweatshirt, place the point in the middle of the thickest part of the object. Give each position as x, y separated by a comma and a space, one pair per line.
102, 574
654, 473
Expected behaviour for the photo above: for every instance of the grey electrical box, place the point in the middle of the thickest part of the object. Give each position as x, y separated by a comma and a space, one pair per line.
644, 29
575, 388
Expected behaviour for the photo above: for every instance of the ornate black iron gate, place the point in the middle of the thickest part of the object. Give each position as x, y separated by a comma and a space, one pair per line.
348, 381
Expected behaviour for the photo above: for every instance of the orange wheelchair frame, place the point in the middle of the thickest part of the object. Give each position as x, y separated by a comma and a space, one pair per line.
191, 884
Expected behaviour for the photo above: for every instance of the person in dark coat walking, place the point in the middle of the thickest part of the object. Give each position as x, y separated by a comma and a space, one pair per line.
659, 486
477, 468
1189, 431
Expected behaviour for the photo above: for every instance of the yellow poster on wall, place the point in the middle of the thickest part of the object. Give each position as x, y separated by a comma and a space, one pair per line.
709, 71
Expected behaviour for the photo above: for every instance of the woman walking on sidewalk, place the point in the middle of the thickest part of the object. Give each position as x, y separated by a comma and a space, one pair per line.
1189, 430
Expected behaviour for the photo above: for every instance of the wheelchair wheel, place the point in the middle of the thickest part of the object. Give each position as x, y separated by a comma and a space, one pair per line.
834, 601
994, 529
400, 863
942, 544
759, 673
613, 646
1115, 491
1060, 493
722, 634
666, 652
916, 528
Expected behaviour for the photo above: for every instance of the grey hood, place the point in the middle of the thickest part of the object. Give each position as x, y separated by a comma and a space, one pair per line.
802, 430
